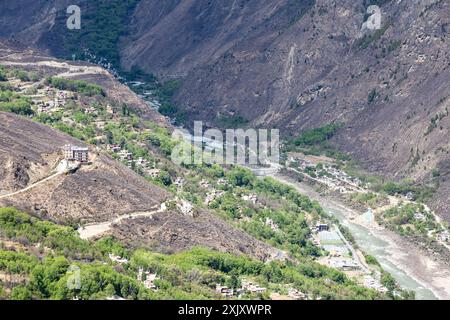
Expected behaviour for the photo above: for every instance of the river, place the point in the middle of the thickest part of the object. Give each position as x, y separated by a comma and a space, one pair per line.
413, 269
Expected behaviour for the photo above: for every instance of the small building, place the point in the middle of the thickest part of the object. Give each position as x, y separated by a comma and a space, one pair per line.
154, 173
270, 223
125, 155
252, 287
296, 294
186, 208
420, 216
410, 196
74, 153
115, 298
114, 148
179, 182
224, 291
253, 198
322, 227
149, 281
109, 109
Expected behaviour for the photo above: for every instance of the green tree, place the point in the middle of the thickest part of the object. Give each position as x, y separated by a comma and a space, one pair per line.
21, 293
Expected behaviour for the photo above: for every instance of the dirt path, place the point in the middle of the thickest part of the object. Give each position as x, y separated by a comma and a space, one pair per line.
96, 229
60, 170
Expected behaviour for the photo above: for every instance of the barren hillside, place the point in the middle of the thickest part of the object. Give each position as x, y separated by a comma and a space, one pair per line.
31, 152
291, 64
174, 232
101, 191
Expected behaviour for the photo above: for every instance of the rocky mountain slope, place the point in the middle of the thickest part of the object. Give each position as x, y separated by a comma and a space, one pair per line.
100, 192
292, 64
31, 152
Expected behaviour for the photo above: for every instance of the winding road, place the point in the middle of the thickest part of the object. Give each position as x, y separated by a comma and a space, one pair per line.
60, 170
96, 229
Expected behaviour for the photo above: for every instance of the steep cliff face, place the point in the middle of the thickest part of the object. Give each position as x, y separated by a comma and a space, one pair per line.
294, 64
29, 20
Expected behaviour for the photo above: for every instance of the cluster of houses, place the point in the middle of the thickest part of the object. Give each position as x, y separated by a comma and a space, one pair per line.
247, 287
127, 157
56, 101
320, 227
338, 180
334, 178
338, 256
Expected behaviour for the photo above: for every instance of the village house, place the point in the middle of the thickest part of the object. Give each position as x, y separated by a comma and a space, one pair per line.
185, 207
296, 294
409, 196
150, 278
204, 184
253, 198
141, 162
90, 110
153, 173
109, 109
210, 197
179, 182
222, 182
74, 153
443, 236
344, 264
420, 216
270, 223
125, 155
252, 287
224, 291
114, 148
321, 227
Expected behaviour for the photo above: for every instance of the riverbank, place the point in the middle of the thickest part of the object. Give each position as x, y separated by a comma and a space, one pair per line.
411, 267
